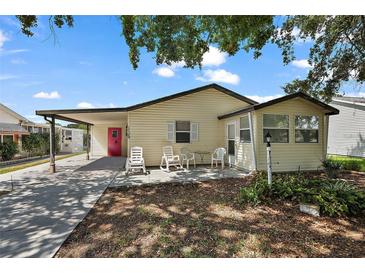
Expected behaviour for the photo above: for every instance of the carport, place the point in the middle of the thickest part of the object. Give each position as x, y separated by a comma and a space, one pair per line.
89, 117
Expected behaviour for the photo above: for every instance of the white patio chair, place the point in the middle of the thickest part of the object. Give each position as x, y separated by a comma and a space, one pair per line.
135, 162
218, 155
187, 156
169, 159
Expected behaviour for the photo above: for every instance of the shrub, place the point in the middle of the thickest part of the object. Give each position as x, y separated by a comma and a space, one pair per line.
334, 197
8, 150
38, 144
331, 167
254, 194
351, 165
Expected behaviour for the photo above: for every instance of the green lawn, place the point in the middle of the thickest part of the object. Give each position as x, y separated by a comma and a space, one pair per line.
35, 163
348, 162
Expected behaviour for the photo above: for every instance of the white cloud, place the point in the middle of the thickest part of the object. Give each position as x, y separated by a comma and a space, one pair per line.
219, 75
214, 57
262, 99
4, 77
47, 95
85, 105
85, 63
175, 65
90, 105
28, 84
18, 61
303, 64
11, 51
3, 38
164, 72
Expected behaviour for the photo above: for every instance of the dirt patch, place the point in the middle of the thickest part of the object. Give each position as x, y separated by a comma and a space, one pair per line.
205, 220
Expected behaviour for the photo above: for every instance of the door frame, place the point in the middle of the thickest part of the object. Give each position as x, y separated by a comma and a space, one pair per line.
229, 156
110, 129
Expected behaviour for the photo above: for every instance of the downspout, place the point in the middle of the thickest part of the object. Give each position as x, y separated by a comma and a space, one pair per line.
128, 133
325, 147
252, 141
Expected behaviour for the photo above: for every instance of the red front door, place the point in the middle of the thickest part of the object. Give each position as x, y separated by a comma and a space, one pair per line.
114, 141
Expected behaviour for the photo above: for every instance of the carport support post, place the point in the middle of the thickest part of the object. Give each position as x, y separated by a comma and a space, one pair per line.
52, 147
87, 142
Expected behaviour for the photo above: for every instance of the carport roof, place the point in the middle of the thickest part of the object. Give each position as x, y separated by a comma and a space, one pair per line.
85, 115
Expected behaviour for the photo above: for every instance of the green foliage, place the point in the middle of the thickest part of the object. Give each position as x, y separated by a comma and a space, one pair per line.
254, 194
8, 150
334, 197
31, 21
37, 144
336, 54
187, 38
79, 126
331, 167
350, 163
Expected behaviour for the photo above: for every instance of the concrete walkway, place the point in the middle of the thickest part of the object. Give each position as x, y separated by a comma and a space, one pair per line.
157, 176
37, 217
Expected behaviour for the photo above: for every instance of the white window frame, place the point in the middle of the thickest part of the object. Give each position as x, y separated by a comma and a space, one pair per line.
183, 131
231, 139
248, 128
297, 128
3, 135
263, 128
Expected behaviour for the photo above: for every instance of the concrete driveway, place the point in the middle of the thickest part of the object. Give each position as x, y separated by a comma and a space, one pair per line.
37, 217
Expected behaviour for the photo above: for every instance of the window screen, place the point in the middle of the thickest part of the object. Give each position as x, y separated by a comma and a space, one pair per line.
278, 127
182, 131
245, 135
306, 129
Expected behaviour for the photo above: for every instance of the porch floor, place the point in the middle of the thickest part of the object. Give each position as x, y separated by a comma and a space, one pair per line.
156, 176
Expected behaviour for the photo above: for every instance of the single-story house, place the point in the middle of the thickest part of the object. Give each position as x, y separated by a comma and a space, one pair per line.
208, 117
347, 130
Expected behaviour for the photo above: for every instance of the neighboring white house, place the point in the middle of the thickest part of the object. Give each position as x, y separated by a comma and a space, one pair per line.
347, 130
14, 126
71, 140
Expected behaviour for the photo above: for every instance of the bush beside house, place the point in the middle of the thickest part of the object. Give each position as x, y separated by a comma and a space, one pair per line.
334, 197
37, 144
8, 150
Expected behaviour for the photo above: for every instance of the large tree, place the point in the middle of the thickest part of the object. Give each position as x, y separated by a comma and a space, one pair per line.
336, 55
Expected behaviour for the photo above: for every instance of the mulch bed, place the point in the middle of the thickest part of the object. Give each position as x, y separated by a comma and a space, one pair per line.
205, 220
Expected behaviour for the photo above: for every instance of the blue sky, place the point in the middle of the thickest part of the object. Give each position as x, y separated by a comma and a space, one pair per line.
88, 66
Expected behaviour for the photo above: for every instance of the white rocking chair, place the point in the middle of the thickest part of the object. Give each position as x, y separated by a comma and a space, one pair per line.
135, 162
218, 155
187, 156
169, 159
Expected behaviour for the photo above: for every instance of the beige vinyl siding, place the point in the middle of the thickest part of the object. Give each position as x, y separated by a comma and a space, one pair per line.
244, 153
291, 156
148, 126
99, 138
